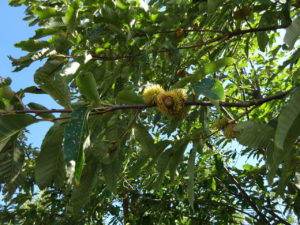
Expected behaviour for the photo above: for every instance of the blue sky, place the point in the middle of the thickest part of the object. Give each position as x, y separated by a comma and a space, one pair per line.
14, 29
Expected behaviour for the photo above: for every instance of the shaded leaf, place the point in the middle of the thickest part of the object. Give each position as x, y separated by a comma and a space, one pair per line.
288, 129
292, 33
52, 83
206, 69
287, 170
145, 139
212, 5
262, 40
32, 45
81, 194
191, 175
210, 88
177, 156
50, 164
12, 124
36, 106
111, 171
162, 166
129, 97
76, 140
254, 134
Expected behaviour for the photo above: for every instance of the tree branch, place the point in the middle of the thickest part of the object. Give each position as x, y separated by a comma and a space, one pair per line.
225, 35
111, 108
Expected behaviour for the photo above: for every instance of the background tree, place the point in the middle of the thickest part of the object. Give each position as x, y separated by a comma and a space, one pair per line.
109, 157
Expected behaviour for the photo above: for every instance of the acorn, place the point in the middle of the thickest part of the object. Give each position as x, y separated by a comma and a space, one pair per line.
150, 93
221, 123
179, 34
242, 13
171, 103
181, 73
229, 132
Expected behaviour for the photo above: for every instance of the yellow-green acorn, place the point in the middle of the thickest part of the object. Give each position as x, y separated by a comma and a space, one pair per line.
221, 123
171, 103
229, 132
151, 92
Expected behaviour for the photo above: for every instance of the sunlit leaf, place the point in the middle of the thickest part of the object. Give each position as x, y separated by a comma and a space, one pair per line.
292, 33
88, 87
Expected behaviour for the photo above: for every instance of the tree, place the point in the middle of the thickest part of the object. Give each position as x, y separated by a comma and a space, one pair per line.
122, 150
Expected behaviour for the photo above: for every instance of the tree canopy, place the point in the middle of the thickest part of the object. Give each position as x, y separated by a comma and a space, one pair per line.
172, 112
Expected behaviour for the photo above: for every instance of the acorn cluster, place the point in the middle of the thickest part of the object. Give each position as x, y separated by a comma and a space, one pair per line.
227, 128
170, 103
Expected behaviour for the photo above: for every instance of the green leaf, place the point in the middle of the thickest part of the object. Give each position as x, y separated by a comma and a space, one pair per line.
50, 164
45, 12
292, 33
111, 171
213, 184
145, 139
89, 179
177, 156
35, 106
288, 129
129, 97
191, 175
162, 166
11, 161
288, 168
12, 124
76, 140
52, 83
296, 205
33, 90
121, 5
71, 12
212, 5
26, 60
210, 88
262, 40
88, 87
71, 15
206, 69
254, 134
32, 45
